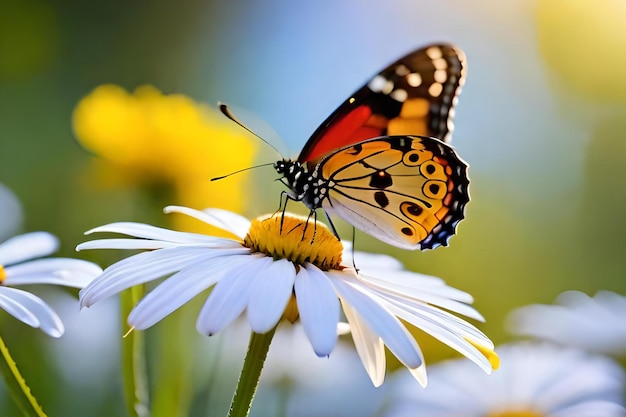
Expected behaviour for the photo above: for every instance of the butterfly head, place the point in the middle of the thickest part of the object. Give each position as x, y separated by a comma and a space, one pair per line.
282, 166
290, 170
303, 186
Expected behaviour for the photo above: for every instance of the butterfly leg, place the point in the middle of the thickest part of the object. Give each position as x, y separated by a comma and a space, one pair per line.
314, 214
306, 224
353, 244
282, 207
332, 226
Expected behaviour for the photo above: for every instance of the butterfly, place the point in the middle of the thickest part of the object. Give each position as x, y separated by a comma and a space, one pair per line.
382, 162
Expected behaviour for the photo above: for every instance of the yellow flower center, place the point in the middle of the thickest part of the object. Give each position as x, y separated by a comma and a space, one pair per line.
516, 413
3, 274
491, 356
296, 239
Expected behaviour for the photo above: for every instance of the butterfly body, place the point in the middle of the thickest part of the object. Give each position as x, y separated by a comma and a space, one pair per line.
303, 186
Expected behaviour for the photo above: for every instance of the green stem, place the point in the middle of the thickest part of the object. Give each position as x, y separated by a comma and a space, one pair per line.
173, 363
250, 373
134, 359
20, 392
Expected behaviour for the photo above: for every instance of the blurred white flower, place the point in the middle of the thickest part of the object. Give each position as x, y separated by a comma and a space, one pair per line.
90, 335
285, 267
596, 324
534, 380
337, 385
17, 268
295, 382
10, 213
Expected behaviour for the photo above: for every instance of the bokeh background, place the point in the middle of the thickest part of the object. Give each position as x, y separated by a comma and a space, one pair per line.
541, 120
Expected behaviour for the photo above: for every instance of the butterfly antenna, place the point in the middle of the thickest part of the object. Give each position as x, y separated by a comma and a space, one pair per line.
226, 112
241, 170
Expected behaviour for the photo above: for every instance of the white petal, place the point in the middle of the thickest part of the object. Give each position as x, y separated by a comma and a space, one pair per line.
31, 310
233, 222
366, 261
416, 296
343, 328
223, 219
603, 299
9, 301
143, 244
419, 374
448, 329
417, 286
146, 231
28, 246
56, 271
270, 295
139, 269
593, 324
591, 375
230, 296
552, 380
381, 321
591, 408
123, 243
369, 346
445, 319
404, 278
179, 289
319, 308
441, 324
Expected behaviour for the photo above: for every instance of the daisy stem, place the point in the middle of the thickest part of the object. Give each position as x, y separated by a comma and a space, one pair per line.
248, 382
134, 359
14, 380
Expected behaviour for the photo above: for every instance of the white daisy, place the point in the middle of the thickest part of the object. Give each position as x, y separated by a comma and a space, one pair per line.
535, 380
294, 274
595, 324
17, 268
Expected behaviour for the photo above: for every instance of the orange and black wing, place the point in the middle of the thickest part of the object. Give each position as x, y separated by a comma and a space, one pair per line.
415, 95
408, 191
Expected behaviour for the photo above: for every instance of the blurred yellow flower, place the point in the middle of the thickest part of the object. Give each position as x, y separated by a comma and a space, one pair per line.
151, 139
584, 42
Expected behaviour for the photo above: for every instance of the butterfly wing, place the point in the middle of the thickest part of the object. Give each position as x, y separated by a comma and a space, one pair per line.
413, 96
408, 191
